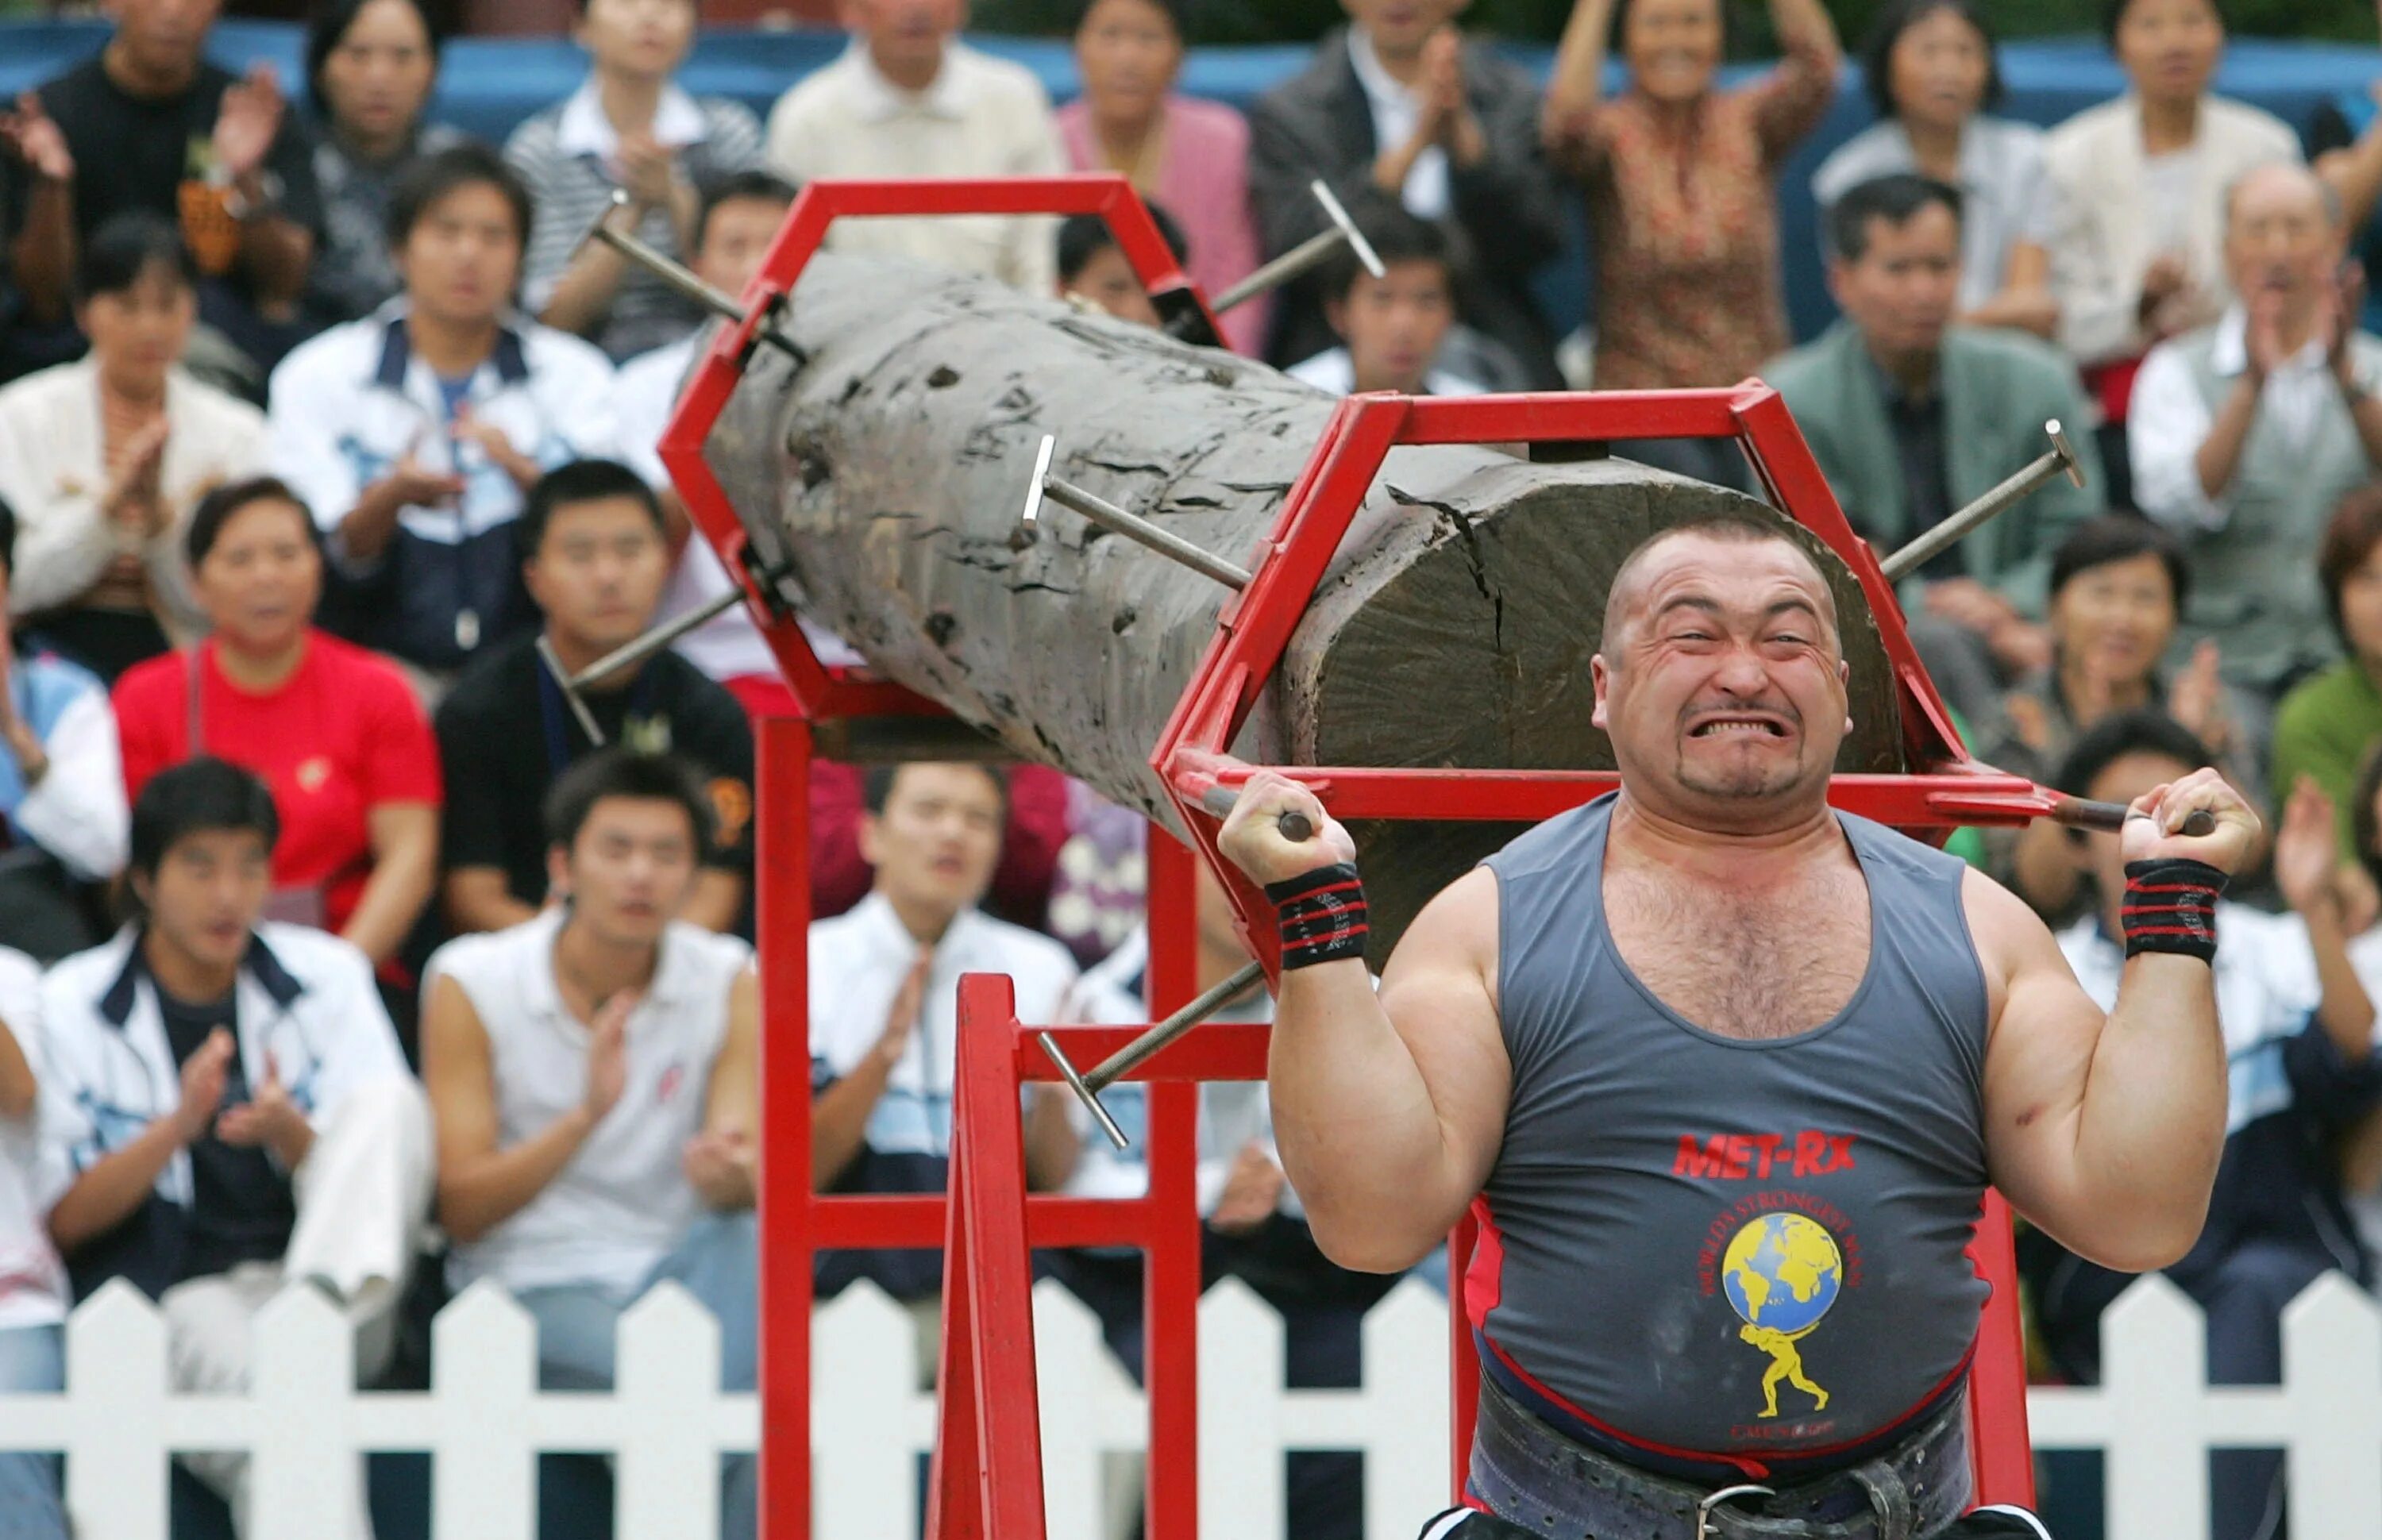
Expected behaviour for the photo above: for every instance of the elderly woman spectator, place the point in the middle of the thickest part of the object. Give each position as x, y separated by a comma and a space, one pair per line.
2326, 728
629, 129
371, 66
1191, 155
104, 457
336, 732
1680, 179
2117, 588
1930, 70
2137, 244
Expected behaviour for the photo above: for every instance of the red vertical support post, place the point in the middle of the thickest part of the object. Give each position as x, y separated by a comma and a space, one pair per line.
2000, 1451
1463, 1357
785, 1202
1171, 1278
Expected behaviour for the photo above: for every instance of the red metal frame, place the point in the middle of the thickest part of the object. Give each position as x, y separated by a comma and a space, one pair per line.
988, 1478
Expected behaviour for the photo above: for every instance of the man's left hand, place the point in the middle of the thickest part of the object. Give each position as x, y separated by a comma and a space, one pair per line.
2346, 308
247, 122
2154, 826
270, 1119
719, 1166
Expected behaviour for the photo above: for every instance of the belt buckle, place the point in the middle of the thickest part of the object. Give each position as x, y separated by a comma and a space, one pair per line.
1705, 1508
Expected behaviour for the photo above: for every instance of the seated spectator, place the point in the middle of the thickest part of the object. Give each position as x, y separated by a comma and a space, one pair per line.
1252, 1225
61, 790
150, 125
627, 129
2247, 434
1391, 328
416, 433
370, 67
2118, 586
2326, 727
1189, 154
229, 1097
2361, 1151
2298, 1031
1913, 417
1093, 267
1931, 70
33, 1283
907, 99
883, 1011
1682, 199
1401, 105
105, 457
2139, 189
592, 549
593, 1074
335, 732
740, 218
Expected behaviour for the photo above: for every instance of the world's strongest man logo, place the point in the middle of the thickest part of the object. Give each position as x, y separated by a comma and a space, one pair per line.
1780, 1273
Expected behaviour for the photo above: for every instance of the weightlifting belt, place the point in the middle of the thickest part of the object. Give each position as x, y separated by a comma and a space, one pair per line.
1529, 1474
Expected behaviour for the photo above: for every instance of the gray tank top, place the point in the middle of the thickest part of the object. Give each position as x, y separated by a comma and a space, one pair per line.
1704, 1247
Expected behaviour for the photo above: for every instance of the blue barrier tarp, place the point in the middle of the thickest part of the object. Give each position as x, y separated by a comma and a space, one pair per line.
487, 85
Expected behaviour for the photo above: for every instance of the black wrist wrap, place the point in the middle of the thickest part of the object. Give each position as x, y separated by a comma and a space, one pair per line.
2171, 907
1322, 916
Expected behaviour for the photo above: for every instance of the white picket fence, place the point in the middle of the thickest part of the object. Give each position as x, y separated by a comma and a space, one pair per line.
483, 1418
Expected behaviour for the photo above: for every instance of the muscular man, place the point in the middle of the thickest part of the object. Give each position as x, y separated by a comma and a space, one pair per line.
1705, 1056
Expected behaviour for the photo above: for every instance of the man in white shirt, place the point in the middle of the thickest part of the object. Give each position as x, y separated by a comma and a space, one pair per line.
908, 100
416, 432
33, 1283
1391, 328
2303, 1067
593, 1073
2245, 435
230, 1099
884, 979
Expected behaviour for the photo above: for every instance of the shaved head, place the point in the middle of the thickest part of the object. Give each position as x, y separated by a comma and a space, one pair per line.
1630, 583
2282, 184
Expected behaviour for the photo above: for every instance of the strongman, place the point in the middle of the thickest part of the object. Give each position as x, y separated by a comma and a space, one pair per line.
1724, 1074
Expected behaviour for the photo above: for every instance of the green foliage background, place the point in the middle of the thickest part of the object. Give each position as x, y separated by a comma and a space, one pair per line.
1301, 21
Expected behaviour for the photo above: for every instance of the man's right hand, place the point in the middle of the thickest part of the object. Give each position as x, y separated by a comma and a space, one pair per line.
2153, 825
901, 1016
36, 138
409, 485
608, 1054
1252, 841
203, 1074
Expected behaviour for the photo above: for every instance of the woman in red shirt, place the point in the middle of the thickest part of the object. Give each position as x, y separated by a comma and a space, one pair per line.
336, 731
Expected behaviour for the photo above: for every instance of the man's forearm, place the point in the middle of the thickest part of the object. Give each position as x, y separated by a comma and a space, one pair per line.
104, 1196
585, 290
365, 532
2344, 1011
44, 251
2220, 453
2365, 411
276, 253
2151, 1130
840, 1119
1358, 1135
477, 1197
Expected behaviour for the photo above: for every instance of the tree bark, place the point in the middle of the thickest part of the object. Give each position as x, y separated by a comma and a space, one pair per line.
1454, 627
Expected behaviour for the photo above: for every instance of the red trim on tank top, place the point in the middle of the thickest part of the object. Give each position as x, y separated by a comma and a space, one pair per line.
1484, 1276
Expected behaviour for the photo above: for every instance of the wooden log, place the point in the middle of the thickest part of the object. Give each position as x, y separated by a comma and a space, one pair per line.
1454, 628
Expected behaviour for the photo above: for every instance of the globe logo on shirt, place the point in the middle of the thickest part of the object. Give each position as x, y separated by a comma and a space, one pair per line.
1782, 1271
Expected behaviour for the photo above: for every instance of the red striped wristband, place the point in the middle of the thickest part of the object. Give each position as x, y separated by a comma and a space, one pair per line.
1322, 916
2171, 907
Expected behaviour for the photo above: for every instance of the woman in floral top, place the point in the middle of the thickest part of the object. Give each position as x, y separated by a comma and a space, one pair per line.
1679, 177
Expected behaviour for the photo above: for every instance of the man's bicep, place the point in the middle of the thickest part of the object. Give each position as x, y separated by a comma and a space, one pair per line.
458, 1073
1436, 993
2038, 1058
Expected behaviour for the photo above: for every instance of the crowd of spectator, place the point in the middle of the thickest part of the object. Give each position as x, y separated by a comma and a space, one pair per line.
330, 441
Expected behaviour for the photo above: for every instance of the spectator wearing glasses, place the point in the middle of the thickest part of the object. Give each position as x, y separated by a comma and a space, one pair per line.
228, 1096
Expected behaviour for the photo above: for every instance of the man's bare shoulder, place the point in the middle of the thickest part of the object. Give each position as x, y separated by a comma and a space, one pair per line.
2011, 939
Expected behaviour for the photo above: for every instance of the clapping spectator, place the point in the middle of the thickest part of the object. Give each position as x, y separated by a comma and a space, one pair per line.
628, 129
2117, 588
2246, 434
61, 790
150, 125
2139, 188
907, 100
595, 1073
1912, 417
416, 433
1930, 69
371, 66
229, 1097
595, 553
1391, 328
1682, 202
335, 732
105, 457
2328, 727
33, 1283
1400, 105
2299, 1036
1191, 155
